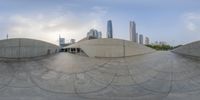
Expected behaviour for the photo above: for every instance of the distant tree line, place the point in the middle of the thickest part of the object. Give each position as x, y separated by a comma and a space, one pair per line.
163, 47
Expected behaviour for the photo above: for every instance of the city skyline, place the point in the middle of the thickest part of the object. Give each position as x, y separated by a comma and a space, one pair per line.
175, 22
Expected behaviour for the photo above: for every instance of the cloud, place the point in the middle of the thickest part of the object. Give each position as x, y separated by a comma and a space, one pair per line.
47, 27
192, 22
189, 30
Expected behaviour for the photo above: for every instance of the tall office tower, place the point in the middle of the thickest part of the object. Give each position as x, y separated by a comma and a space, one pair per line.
132, 31
136, 38
61, 41
109, 29
141, 39
146, 40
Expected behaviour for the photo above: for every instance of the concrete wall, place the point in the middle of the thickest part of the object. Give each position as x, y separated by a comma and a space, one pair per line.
132, 48
111, 48
191, 49
103, 48
25, 48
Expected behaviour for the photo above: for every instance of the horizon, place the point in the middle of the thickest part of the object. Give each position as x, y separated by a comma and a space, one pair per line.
175, 22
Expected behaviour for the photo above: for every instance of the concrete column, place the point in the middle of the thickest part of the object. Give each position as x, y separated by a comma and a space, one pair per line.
70, 50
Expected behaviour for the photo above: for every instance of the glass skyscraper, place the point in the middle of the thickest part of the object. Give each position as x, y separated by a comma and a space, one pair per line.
109, 29
132, 30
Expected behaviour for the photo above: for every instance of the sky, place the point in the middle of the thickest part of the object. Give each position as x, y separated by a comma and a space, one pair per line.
174, 21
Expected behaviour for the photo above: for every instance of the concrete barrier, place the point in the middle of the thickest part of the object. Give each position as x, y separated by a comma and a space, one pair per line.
191, 49
111, 48
25, 48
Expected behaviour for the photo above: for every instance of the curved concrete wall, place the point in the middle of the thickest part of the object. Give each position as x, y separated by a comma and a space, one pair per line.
111, 48
25, 48
132, 48
103, 48
191, 49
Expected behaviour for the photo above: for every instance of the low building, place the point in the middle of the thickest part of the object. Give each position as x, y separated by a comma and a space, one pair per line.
72, 41
147, 41
141, 39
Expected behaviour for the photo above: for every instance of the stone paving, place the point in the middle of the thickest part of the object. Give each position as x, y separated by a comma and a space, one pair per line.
155, 76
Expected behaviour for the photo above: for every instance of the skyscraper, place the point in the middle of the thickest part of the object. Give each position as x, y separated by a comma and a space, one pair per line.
61, 41
136, 38
109, 29
132, 30
141, 39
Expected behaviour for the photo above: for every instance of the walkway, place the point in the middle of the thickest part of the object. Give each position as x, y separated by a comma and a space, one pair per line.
155, 76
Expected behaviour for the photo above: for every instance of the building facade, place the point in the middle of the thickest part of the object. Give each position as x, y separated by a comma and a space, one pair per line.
132, 31
136, 37
72, 41
147, 40
109, 29
94, 34
61, 41
140, 39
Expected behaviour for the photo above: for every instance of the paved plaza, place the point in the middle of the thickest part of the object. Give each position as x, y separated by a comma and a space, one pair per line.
154, 76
